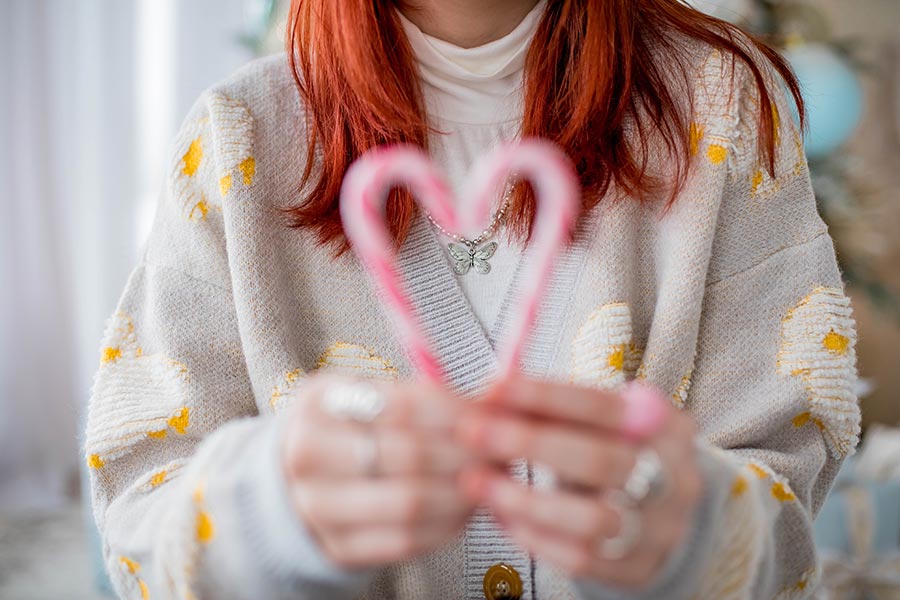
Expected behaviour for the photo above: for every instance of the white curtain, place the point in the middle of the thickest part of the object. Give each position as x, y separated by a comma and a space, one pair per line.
91, 93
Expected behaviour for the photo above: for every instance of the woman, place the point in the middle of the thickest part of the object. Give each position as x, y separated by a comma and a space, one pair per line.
256, 430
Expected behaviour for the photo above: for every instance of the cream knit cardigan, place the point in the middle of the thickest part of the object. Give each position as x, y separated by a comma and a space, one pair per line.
731, 302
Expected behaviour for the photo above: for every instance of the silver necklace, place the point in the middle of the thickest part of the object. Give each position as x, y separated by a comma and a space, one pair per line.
468, 254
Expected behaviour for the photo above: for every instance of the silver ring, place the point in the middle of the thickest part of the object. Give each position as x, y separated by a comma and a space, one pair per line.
367, 454
618, 546
353, 401
647, 479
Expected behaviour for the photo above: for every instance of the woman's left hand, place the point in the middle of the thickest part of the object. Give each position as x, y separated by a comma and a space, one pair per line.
590, 440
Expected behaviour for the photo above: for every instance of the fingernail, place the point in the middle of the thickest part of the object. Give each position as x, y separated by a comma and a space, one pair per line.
646, 409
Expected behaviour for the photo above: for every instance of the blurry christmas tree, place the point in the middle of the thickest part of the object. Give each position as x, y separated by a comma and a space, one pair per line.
828, 69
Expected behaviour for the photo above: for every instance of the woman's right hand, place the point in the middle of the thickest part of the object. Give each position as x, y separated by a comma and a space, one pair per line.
408, 503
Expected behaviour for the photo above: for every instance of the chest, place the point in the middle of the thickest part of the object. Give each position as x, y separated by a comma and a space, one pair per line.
624, 301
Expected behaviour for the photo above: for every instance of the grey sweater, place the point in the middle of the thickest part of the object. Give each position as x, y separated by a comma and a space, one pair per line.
731, 302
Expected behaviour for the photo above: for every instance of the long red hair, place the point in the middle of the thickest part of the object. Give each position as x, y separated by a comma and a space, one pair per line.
589, 70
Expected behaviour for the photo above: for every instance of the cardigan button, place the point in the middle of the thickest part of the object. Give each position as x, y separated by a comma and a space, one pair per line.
502, 582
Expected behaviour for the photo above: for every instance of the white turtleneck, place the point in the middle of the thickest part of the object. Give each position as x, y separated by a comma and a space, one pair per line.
474, 97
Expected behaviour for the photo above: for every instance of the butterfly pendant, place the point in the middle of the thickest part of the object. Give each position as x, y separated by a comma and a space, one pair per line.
468, 255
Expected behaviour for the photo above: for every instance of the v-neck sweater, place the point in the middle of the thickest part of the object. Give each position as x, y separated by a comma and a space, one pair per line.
731, 302
473, 99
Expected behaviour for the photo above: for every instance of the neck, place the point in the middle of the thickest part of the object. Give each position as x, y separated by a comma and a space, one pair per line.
466, 23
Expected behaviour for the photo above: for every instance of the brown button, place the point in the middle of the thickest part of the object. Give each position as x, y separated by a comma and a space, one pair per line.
502, 582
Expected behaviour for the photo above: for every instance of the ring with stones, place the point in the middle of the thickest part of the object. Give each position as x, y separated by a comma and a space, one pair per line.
357, 401
647, 480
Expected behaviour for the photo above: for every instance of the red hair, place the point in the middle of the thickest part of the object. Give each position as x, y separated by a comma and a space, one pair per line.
589, 71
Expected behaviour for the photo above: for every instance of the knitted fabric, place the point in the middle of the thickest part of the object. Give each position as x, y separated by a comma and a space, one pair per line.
731, 302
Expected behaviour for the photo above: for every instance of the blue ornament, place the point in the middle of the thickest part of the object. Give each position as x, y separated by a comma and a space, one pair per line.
833, 95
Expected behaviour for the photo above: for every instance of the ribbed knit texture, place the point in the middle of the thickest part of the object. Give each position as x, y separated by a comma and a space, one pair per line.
731, 302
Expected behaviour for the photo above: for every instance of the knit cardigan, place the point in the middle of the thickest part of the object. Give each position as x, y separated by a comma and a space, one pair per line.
730, 301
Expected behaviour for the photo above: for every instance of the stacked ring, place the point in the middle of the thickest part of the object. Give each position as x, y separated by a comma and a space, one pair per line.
647, 480
353, 401
357, 402
618, 546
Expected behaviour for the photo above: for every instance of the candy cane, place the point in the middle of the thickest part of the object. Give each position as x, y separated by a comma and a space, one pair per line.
363, 196
365, 191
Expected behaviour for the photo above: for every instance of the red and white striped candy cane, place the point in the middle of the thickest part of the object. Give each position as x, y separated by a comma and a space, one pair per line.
365, 191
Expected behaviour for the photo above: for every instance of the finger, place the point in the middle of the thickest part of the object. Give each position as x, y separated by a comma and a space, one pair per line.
639, 410
381, 502
676, 449
561, 552
416, 453
582, 560
577, 454
345, 451
380, 545
568, 514
686, 482
419, 404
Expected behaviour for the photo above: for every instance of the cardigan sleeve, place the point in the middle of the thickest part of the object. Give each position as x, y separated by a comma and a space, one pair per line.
776, 403
773, 383
773, 394
186, 481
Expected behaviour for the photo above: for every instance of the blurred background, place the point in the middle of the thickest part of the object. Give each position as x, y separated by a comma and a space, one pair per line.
91, 94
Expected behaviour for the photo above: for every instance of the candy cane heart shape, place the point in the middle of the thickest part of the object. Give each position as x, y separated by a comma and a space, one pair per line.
364, 194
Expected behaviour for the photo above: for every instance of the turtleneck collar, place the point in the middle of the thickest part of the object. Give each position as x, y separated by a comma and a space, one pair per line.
480, 85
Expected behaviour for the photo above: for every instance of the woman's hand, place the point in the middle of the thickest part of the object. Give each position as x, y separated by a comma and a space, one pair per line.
380, 492
590, 440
